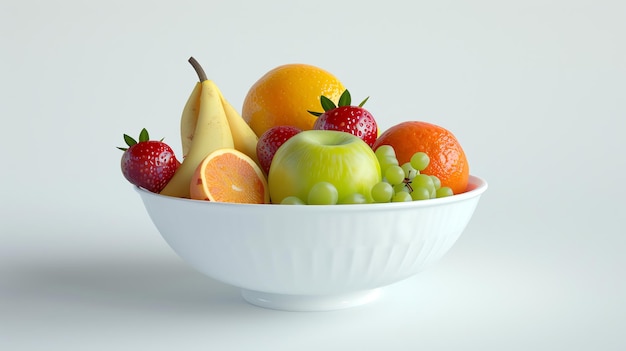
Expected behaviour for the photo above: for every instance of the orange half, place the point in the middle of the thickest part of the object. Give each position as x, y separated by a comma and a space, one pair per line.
228, 175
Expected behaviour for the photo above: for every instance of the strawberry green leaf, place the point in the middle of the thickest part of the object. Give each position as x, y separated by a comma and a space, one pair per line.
327, 104
130, 141
143, 135
316, 114
363, 102
345, 99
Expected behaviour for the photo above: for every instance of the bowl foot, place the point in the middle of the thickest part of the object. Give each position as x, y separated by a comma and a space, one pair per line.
309, 302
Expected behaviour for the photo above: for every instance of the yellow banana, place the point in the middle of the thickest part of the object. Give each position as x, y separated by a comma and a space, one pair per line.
189, 119
211, 132
244, 138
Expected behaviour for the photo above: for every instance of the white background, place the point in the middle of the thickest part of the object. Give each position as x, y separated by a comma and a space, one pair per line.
534, 90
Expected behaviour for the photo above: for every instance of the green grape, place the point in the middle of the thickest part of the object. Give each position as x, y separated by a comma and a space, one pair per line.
420, 193
382, 192
436, 181
323, 193
384, 151
420, 161
386, 162
444, 191
356, 198
394, 175
292, 200
423, 180
402, 196
401, 188
409, 171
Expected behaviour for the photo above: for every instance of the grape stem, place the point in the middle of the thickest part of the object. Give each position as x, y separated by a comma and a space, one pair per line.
407, 183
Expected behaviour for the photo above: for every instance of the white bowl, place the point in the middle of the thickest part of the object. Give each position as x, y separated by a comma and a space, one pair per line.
309, 258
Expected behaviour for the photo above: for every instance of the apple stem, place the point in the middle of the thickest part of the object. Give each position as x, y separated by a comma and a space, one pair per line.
198, 68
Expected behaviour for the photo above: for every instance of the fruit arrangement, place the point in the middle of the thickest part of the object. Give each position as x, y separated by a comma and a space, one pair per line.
299, 140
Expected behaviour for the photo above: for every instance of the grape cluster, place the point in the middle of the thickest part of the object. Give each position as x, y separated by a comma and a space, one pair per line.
399, 183
405, 182
325, 193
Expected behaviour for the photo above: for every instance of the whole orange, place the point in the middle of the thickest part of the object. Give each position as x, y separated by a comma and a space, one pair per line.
447, 158
284, 95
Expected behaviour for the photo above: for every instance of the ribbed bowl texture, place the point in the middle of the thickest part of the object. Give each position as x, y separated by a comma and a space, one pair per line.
312, 250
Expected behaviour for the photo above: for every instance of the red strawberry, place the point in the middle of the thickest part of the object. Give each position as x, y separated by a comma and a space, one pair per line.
346, 118
149, 164
270, 141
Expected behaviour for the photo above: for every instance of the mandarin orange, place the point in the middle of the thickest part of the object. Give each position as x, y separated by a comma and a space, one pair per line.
447, 158
228, 175
285, 94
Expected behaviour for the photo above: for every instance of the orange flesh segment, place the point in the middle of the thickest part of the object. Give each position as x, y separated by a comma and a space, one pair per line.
229, 177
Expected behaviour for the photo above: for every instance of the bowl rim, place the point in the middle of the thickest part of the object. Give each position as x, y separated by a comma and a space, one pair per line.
476, 185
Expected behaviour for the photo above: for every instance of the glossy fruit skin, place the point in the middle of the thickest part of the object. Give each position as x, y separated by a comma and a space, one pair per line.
270, 141
314, 156
351, 119
284, 95
149, 164
448, 161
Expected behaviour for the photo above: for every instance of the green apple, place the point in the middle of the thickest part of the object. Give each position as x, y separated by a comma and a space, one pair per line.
314, 156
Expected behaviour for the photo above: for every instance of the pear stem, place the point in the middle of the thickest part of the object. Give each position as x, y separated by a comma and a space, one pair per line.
198, 68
